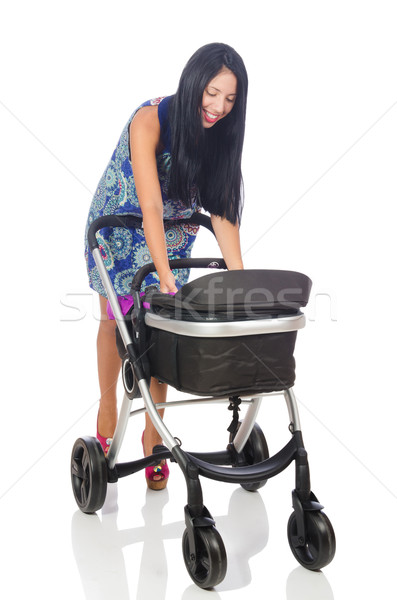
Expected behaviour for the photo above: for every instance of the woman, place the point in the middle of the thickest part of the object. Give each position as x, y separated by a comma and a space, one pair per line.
176, 155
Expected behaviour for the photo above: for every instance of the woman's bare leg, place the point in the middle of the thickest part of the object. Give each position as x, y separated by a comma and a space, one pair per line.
109, 364
151, 438
158, 392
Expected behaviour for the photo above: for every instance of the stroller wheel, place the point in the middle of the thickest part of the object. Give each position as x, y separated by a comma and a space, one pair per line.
208, 567
89, 474
320, 546
254, 451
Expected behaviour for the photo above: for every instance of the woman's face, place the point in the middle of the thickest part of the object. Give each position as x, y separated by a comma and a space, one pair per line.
219, 97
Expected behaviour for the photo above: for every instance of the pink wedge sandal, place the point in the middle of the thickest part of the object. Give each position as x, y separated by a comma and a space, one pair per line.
161, 470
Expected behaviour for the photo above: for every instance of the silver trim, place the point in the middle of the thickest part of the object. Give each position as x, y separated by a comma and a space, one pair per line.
157, 421
215, 400
242, 435
292, 409
120, 431
225, 328
112, 296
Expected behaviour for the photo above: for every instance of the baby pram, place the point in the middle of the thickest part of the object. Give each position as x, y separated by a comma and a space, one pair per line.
226, 336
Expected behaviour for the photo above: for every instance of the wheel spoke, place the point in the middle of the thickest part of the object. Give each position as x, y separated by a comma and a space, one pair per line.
83, 492
205, 564
77, 469
86, 462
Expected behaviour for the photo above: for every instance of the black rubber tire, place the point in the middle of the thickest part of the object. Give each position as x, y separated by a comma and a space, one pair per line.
255, 451
88, 474
320, 546
209, 567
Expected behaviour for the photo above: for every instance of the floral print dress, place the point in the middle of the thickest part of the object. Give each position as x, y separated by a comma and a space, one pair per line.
124, 251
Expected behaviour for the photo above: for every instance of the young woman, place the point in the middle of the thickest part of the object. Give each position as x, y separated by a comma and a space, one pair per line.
176, 155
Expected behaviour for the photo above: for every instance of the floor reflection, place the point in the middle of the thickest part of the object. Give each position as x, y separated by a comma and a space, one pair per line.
308, 585
98, 547
245, 532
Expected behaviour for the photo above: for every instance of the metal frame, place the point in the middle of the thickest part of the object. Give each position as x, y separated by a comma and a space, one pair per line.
201, 330
112, 297
263, 325
251, 466
227, 328
254, 404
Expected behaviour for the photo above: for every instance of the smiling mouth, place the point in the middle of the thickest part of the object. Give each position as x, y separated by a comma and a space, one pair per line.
209, 117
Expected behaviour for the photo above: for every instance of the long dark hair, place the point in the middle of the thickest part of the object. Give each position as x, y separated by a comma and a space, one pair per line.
208, 160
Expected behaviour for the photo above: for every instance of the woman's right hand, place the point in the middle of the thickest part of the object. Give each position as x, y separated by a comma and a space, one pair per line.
167, 283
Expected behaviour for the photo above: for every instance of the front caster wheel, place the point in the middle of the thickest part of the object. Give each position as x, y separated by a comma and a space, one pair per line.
89, 474
208, 567
320, 546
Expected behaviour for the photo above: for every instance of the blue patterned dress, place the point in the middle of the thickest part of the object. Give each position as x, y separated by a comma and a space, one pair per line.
124, 251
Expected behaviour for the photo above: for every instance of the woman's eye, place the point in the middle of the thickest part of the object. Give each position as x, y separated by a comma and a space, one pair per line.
212, 95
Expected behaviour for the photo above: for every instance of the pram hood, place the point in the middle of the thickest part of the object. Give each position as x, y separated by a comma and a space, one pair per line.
235, 295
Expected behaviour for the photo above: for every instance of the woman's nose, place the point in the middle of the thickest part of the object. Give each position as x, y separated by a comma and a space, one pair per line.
219, 105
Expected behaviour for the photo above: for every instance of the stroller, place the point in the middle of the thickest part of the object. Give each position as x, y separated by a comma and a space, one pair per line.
226, 336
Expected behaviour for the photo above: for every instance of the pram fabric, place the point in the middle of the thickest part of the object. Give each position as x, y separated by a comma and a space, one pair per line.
224, 365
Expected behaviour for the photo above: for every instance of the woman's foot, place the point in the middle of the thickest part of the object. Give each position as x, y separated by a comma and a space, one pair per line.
106, 423
156, 477
105, 442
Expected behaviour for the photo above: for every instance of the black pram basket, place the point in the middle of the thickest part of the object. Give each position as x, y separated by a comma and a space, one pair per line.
228, 333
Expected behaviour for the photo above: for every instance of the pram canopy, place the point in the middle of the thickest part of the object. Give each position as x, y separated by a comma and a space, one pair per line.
235, 295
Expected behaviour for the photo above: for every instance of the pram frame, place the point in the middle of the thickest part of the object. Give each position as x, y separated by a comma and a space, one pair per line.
213, 465
170, 442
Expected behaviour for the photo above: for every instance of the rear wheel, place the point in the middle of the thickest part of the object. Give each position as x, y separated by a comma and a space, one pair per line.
88, 474
254, 451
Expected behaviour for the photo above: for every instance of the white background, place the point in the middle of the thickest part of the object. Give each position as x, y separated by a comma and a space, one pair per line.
319, 170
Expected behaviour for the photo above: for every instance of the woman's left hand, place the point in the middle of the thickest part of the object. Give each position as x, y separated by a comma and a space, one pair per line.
167, 283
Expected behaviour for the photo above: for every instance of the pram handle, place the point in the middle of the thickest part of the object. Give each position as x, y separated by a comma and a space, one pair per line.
177, 263
133, 222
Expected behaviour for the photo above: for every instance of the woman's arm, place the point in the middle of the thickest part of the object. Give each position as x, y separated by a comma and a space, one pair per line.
228, 238
144, 141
